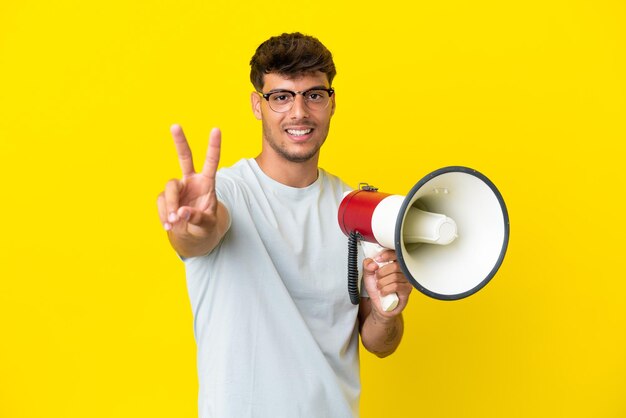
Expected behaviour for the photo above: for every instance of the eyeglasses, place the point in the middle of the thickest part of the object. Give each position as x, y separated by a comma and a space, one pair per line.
281, 101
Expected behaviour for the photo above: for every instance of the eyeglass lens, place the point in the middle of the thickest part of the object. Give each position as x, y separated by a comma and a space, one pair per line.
282, 101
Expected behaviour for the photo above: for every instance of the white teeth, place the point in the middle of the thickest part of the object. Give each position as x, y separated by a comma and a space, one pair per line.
298, 132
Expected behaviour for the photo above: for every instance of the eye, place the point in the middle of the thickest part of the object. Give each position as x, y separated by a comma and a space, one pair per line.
280, 97
316, 95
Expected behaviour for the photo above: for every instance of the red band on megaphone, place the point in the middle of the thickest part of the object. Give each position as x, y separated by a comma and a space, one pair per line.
355, 212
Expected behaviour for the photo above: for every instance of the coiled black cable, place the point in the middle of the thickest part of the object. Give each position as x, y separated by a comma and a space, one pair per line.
353, 269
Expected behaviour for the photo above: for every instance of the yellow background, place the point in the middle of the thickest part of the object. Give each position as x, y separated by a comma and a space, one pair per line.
94, 315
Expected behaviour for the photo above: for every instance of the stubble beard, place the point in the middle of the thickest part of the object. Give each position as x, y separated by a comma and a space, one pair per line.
284, 153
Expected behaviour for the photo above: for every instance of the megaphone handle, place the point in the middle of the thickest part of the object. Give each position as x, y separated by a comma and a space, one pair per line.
371, 250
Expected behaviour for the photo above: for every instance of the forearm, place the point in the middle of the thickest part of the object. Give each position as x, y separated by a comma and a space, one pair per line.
381, 335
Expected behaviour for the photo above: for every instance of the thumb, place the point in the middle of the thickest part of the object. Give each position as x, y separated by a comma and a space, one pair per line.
369, 266
193, 215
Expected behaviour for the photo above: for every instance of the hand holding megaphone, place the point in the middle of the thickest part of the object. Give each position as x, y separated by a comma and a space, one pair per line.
372, 250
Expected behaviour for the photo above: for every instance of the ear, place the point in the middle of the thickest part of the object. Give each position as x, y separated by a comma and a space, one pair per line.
333, 104
255, 101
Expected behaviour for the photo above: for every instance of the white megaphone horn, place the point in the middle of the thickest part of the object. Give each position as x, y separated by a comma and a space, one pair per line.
450, 233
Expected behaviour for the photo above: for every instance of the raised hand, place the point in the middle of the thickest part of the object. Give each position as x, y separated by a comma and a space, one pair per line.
188, 207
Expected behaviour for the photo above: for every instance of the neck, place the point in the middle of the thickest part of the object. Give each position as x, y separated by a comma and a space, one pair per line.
293, 174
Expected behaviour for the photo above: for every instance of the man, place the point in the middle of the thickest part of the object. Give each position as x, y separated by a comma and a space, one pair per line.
277, 335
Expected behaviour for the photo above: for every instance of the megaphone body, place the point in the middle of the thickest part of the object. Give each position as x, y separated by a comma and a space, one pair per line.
450, 232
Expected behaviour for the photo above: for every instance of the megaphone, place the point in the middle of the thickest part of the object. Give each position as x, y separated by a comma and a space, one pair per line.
450, 232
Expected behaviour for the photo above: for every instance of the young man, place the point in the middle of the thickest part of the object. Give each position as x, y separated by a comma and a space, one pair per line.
266, 263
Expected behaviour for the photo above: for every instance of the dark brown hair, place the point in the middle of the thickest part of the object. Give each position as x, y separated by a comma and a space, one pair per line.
291, 55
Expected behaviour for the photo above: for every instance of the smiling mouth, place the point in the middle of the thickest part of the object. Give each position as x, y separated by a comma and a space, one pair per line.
298, 132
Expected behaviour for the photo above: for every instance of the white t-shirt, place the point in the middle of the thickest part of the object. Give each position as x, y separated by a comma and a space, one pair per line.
276, 333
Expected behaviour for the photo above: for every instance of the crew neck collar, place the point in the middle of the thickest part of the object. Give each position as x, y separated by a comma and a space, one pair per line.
279, 187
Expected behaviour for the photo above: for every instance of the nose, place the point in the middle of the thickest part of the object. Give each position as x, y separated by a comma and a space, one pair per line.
299, 109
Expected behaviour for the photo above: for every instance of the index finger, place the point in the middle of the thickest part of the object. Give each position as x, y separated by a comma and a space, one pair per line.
182, 149
213, 154
386, 256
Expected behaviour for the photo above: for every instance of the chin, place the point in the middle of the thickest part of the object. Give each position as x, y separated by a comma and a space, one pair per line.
297, 157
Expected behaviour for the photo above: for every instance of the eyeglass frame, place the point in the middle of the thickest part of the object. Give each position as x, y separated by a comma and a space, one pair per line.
266, 96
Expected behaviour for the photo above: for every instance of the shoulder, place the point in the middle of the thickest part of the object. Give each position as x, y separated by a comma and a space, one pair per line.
235, 176
333, 183
232, 184
237, 171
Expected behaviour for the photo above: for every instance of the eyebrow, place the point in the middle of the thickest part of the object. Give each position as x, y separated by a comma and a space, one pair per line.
320, 87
